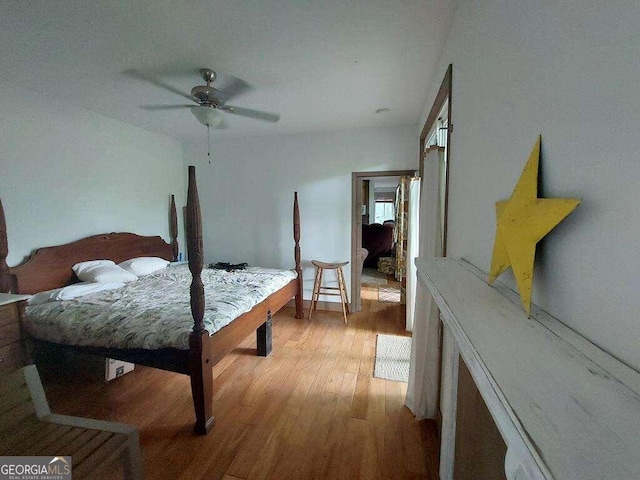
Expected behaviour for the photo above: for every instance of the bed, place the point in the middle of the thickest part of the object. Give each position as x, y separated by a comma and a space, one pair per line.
193, 351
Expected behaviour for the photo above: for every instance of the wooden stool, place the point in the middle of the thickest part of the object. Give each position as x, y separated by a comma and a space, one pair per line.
318, 289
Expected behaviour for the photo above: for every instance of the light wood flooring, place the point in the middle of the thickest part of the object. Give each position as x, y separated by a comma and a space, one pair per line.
312, 409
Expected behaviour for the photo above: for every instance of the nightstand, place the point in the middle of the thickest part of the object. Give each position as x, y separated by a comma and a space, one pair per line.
12, 353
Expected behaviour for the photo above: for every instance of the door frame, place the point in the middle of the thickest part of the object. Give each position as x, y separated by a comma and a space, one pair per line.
444, 94
356, 227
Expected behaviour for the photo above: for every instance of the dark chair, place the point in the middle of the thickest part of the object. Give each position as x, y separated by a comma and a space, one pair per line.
378, 240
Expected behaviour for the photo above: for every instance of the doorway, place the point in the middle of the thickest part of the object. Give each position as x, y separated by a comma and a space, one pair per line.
364, 210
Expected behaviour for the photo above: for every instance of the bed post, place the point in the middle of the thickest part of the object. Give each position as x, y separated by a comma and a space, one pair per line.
173, 228
5, 275
199, 346
264, 337
296, 238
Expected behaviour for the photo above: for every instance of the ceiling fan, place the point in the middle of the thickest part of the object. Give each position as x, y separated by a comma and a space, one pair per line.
209, 101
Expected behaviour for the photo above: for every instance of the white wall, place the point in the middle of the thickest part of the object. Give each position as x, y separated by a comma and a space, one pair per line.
569, 70
66, 173
247, 193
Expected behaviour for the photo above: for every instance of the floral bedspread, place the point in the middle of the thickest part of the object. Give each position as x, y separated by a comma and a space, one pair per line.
154, 311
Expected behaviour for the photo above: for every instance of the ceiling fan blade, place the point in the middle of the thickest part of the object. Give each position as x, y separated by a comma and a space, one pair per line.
233, 89
165, 107
256, 114
158, 83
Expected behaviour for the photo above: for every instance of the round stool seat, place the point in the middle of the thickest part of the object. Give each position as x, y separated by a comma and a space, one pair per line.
329, 266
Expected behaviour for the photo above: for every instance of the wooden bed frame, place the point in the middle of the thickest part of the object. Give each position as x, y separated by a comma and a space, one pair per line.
50, 267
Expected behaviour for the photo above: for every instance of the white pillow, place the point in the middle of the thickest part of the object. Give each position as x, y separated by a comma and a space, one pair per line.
81, 267
72, 291
102, 271
144, 265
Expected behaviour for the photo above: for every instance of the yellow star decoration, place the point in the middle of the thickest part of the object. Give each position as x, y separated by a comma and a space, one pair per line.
522, 221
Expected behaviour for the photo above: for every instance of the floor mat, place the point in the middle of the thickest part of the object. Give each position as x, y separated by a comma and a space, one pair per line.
389, 295
393, 354
371, 276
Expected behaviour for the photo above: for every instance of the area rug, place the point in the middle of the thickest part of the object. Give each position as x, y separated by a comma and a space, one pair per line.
371, 276
388, 295
392, 358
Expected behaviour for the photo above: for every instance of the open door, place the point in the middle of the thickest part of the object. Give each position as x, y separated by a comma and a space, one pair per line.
358, 207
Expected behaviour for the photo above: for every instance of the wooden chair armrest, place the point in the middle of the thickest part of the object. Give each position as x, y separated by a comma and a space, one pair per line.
90, 423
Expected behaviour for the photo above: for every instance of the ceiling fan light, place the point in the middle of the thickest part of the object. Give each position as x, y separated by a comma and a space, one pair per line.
208, 116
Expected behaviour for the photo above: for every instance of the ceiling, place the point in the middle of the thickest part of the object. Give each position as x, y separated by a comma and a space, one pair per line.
322, 65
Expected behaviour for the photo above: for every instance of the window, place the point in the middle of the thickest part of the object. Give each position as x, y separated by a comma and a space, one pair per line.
384, 211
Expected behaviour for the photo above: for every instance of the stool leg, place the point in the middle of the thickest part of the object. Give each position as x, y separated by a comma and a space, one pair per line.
316, 290
344, 287
313, 294
320, 274
343, 293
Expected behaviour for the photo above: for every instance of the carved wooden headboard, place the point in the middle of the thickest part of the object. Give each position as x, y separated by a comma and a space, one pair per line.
50, 267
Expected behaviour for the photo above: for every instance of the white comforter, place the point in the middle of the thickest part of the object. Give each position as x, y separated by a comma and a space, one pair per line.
154, 311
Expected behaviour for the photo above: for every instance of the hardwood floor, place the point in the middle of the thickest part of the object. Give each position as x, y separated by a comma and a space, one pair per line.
312, 409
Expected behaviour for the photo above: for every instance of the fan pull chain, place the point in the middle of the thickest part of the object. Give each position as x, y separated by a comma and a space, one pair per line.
209, 143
